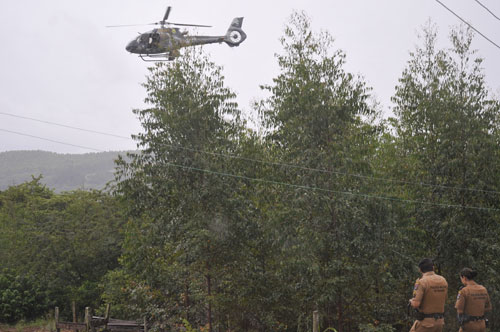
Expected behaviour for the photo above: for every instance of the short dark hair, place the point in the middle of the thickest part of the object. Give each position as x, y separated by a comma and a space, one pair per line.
468, 273
426, 265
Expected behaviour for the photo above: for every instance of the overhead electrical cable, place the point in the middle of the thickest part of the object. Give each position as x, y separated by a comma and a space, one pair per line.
470, 25
334, 172
422, 184
50, 140
65, 126
489, 11
345, 193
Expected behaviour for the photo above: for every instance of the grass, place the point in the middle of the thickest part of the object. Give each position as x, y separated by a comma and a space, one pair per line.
21, 326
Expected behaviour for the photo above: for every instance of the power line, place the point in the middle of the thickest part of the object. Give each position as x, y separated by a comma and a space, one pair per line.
479, 32
336, 172
345, 193
422, 184
65, 126
498, 18
50, 140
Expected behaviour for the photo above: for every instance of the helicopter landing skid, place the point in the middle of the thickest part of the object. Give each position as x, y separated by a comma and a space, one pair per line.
156, 57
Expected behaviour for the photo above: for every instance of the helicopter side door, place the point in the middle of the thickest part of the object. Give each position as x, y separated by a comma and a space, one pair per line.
165, 40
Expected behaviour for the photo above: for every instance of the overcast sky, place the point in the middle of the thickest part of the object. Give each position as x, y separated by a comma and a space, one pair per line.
60, 64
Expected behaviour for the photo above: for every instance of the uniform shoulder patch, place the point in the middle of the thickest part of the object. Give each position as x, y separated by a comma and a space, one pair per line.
415, 288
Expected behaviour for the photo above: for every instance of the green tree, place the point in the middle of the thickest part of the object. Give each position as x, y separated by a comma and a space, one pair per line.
446, 128
190, 229
63, 243
331, 235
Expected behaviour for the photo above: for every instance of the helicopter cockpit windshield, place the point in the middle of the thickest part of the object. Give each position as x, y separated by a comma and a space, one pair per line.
148, 38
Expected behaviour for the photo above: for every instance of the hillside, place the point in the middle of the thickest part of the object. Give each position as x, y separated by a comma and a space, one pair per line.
61, 172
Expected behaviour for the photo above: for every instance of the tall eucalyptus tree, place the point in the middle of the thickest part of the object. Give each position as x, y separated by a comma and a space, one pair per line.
446, 127
189, 224
318, 118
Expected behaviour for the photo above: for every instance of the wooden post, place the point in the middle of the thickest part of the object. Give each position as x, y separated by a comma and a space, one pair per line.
145, 325
315, 321
87, 319
106, 316
73, 307
56, 314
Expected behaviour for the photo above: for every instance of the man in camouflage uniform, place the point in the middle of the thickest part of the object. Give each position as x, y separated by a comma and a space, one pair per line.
429, 296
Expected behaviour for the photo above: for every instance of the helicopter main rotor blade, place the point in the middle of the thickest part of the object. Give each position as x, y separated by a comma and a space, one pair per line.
162, 22
190, 25
129, 25
165, 17
158, 23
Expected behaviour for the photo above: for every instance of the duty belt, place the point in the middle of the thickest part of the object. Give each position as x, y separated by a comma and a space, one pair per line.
475, 318
435, 315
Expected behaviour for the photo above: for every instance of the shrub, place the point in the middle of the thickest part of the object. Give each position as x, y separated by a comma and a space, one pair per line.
21, 297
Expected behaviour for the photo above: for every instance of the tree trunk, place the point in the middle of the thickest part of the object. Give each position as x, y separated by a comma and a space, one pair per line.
209, 302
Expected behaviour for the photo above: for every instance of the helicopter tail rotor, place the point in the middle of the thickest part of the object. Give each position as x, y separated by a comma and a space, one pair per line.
235, 35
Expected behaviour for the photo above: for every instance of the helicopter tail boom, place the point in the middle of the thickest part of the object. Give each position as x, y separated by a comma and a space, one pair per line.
235, 35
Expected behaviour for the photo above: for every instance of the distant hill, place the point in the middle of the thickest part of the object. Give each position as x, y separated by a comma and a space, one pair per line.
61, 172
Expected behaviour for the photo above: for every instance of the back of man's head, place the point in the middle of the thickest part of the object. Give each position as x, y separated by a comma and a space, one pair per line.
426, 265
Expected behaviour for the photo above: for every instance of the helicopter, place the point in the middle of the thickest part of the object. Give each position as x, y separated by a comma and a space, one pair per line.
164, 43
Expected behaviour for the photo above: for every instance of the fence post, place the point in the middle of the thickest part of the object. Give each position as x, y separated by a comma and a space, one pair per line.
56, 316
73, 308
315, 321
106, 316
87, 319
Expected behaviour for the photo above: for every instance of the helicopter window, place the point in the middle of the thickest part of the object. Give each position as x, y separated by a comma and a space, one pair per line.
151, 38
144, 38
